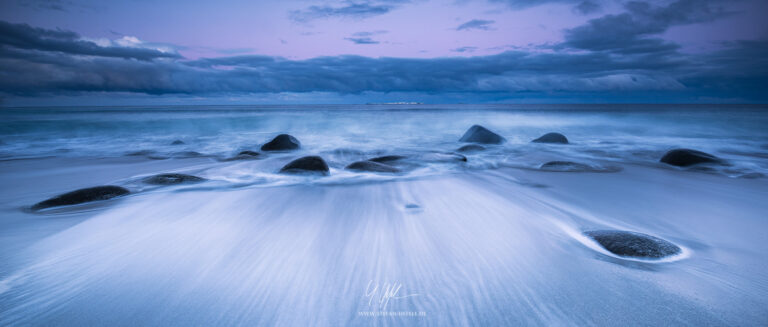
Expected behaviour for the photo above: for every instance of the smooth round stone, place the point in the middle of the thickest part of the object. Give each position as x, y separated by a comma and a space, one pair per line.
282, 142
565, 166
171, 179
90, 194
631, 244
552, 138
480, 134
688, 157
389, 158
245, 155
308, 164
372, 166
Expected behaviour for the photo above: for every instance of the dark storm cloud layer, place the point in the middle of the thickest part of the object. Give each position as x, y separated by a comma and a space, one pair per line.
634, 30
595, 59
22, 36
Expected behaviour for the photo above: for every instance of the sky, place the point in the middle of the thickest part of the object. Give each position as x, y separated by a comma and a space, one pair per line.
84, 52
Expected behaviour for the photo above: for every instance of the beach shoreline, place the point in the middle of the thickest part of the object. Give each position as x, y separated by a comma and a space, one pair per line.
490, 246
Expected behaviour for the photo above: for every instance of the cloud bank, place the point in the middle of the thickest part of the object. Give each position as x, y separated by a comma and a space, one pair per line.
616, 54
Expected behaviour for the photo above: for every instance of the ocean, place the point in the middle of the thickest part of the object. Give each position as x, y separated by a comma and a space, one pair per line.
484, 237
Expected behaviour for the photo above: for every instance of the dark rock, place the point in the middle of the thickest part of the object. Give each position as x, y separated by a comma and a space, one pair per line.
187, 154
141, 153
471, 148
282, 142
565, 166
552, 138
170, 179
412, 206
245, 155
249, 153
389, 158
630, 244
372, 166
688, 157
480, 134
309, 164
82, 196
177, 142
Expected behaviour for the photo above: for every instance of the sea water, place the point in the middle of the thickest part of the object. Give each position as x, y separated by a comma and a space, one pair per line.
490, 241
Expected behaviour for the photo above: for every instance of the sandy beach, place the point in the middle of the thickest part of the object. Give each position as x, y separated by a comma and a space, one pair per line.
499, 246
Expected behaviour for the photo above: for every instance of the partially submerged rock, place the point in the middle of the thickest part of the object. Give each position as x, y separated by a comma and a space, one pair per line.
171, 179
141, 153
688, 157
631, 244
372, 166
308, 164
565, 166
552, 138
245, 155
282, 142
177, 142
389, 158
480, 134
187, 154
471, 148
90, 194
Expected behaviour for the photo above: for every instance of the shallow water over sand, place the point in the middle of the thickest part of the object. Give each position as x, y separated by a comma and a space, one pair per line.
466, 244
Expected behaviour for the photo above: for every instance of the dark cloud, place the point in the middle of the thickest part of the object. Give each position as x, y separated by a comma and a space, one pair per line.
365, 37
23, 36
348, 9
476, 24
637, 29
587, 7
739, 70
361, 40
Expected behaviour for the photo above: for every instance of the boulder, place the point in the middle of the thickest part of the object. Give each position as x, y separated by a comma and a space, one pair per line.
177, 142
688, 157
552, 138
282, 142
372, 166
308, 164
636, 245
565, 166
171, 179
245, 155
82, 196
187, 154
480, 134
471, 148
389, 158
